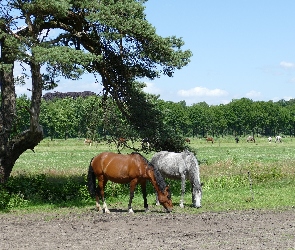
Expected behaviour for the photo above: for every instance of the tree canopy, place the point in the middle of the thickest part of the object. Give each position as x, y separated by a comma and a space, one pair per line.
66, 38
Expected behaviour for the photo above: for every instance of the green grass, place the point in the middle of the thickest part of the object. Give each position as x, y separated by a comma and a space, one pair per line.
239, 176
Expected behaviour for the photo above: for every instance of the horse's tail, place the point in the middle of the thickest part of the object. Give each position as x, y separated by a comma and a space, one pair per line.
91, 181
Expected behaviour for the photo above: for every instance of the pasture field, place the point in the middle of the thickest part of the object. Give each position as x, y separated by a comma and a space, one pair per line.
236, 176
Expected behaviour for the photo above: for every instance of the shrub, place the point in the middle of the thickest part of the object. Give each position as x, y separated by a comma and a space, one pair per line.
4, 198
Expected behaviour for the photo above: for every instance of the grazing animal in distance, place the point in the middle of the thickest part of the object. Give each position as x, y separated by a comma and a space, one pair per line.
88, 141
187, 140
145, 143
121, 141
251, 138
237, 139
278, 138
132, 168
181, 166
210, 139
269, 139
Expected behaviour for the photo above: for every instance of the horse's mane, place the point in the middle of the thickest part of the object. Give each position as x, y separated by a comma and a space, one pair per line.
159, 178
146, 161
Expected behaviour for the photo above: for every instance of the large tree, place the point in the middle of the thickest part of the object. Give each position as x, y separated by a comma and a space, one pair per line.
66, 38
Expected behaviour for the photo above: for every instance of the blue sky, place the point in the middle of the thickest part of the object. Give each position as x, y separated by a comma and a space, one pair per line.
241, 48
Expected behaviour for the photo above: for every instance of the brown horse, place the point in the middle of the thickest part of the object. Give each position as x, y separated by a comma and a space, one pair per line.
187, 140
88, 141
250, 138
122, 141
133, 169
210, 139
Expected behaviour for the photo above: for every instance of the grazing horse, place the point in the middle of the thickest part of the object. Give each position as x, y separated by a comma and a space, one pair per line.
133, 169
250, 138
187, 140
145, 144
210, 139
121, 141
88, 141
278, 139
269, 139
182, 166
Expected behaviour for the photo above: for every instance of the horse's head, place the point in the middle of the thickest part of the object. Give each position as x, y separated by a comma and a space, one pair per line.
197, 196
163, 190
165, 199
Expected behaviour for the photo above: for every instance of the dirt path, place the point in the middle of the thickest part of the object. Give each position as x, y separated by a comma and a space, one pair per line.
119, 230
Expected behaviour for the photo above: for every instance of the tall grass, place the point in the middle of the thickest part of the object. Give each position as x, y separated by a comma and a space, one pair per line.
257, 175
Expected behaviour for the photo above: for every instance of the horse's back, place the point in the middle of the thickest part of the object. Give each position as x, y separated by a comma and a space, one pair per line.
117, 167
170, 164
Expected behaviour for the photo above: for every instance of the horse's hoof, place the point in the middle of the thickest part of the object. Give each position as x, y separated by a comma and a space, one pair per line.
130, 211
181, 205
147, 210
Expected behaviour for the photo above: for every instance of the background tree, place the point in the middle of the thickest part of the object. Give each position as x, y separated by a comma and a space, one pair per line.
198, 115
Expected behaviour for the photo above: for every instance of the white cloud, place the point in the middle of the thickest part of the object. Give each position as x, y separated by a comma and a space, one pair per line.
201, 91
287, 65
253, 94
151, 88
225, 101
286, 98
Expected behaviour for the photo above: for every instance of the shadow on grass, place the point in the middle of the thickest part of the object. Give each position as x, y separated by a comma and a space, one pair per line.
59, 191
34, 190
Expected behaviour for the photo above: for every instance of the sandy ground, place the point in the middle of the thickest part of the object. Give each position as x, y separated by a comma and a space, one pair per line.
153, 230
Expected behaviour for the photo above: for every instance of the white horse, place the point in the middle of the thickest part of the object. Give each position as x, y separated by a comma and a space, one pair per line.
269, 139
250, 138
145, 144
278, 138
182, 166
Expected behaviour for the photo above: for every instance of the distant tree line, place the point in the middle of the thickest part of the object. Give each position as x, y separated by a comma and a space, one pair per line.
80, 114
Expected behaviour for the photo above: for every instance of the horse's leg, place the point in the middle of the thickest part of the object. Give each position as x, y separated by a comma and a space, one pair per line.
104, 206
193, 193
97, 202
98, 192
157, 199
132, 188
143, 190
102, 184
182, 190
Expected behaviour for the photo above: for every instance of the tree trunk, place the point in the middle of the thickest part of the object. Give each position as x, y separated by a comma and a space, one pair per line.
7, 116
11, 147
